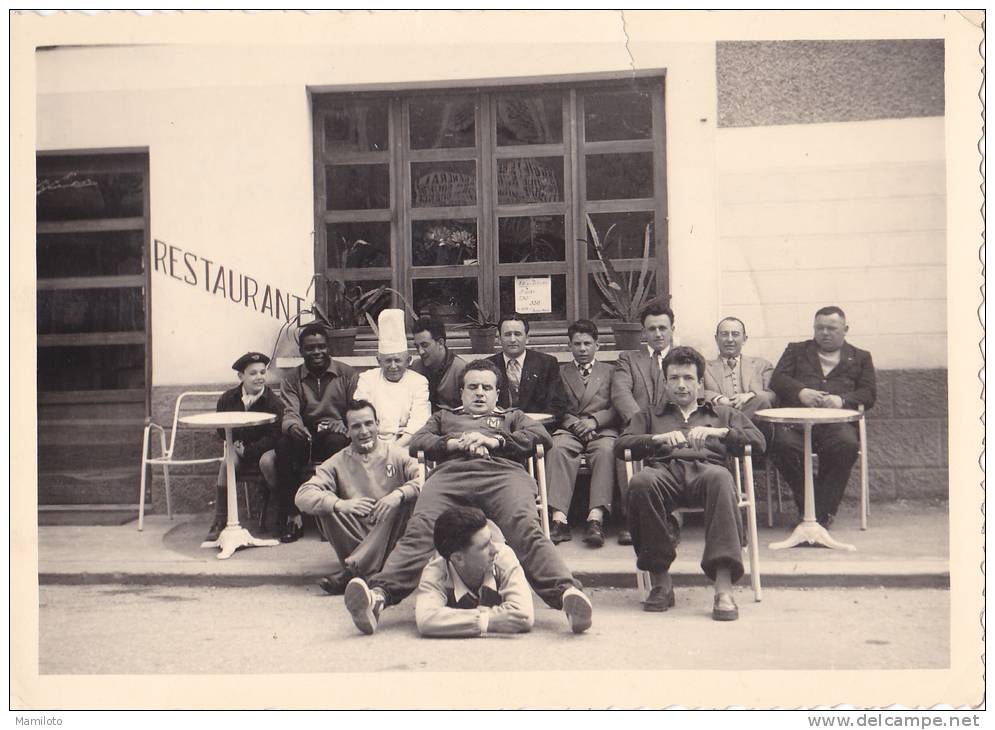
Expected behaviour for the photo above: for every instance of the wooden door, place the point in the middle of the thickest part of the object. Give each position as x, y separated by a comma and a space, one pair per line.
93, 325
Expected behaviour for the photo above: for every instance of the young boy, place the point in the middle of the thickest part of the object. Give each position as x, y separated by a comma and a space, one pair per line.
253, 445
473, 586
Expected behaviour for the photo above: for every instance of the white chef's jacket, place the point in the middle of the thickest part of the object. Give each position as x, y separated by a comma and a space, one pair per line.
402, 407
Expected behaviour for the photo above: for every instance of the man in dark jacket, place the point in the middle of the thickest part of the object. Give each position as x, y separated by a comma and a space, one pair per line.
685, 441
253, 445
531, 379
824, 372
441, 366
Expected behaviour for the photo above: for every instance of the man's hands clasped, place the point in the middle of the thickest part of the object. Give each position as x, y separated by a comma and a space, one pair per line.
475, 443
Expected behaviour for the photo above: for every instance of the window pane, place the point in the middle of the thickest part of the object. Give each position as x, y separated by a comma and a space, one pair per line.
538, 238
356, 126
85, 195
617, 115
355, 289
65, 311
451, 300
529, 118
620, 176
443, 184
530, 180
109, 253
357, 187
626, 238
558, 287
443, 121
104, 367
444, 242
358, 245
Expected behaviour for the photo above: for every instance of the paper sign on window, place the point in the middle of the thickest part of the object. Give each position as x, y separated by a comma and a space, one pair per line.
533, 295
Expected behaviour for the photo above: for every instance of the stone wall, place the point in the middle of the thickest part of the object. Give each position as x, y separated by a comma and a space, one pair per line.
906, 434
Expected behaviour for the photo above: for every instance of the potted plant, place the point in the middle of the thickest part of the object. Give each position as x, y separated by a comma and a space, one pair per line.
483, 330
446, 246
625, 294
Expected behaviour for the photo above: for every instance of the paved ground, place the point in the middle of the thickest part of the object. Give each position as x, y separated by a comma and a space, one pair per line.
131, 629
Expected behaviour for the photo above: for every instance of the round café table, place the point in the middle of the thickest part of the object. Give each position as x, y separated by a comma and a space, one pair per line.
809, 530
234, 535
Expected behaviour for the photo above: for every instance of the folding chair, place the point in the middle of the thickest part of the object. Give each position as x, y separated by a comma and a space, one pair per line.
166, 457
865, 497
746, 500
537, 470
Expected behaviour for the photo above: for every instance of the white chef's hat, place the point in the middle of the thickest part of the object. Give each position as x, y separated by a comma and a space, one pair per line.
392, 337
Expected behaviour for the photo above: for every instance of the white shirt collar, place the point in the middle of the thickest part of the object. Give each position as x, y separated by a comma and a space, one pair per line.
663, 352
520, 360
460, 588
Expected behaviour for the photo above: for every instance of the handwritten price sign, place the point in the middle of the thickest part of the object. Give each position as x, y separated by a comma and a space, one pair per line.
533, 295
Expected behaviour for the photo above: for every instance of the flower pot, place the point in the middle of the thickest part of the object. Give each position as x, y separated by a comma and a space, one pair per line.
482, 340
342, 342
627, 335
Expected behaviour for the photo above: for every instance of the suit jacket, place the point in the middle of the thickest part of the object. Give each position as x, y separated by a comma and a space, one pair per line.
756, 374
799, 367
257, 439
637, 384
593, 399
540, 389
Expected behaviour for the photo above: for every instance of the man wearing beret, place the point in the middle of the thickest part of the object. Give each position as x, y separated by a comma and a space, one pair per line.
253, 445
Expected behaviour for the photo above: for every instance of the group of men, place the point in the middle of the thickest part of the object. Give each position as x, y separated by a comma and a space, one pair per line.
470, 532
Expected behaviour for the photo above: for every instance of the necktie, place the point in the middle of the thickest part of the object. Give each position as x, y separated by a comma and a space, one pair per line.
514, 379
658, 357
585, 371
732, 374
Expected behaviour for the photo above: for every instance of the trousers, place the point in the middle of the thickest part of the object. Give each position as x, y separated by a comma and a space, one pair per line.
659, 489
836, 445
563, 463
292, 456
362, 548
506, 494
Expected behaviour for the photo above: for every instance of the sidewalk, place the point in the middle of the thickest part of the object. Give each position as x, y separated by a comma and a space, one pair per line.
906, 545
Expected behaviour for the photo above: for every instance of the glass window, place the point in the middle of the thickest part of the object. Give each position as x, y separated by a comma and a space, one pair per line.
103, 367
443, 184
356, 126
558, 295
442, 121
618, 115
65, 311
524, 239
358, 187
363, 245
620, 176
355, 289
109, 253
530, 180
81, 195
529, 118
451, 300
622, 234
444, 242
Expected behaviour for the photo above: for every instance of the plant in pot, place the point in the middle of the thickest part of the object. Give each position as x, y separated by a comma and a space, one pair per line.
483, 330
625, 294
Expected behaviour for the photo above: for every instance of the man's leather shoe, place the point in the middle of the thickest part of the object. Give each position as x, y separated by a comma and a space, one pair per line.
334, 585
725, 608
595, 535
826, 520
559, 532
659, 599
215, 532
624, 537
293, 533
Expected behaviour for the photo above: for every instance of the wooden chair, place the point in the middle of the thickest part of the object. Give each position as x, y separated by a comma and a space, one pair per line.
537, 470
742, 470
865, 496
197, 401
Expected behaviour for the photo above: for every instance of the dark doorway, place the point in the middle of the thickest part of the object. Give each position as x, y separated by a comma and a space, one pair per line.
93, 325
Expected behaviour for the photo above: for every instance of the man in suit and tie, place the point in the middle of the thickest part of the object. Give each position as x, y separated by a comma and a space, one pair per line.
734, 379
638, 382
588, 428
531, 379
824, 372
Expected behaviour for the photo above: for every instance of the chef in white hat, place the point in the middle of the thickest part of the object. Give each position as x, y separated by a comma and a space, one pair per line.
399, 395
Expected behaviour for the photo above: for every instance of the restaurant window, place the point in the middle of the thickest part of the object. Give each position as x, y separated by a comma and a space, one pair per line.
478, 195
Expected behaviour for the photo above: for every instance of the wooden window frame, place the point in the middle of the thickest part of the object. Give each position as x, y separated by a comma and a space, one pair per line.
486, 153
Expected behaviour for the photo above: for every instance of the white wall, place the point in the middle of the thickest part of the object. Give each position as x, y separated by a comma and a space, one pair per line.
852, 214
